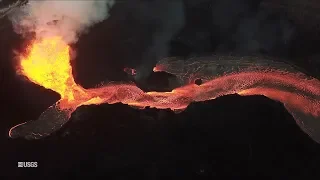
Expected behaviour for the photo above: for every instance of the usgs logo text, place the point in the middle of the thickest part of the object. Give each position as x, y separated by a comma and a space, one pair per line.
27, 164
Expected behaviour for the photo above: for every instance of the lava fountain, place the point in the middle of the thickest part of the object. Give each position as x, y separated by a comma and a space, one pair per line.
47, 64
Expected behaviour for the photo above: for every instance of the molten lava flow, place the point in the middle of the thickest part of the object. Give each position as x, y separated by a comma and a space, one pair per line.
48, 64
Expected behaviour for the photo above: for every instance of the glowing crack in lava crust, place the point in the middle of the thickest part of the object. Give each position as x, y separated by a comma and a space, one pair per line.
47, 63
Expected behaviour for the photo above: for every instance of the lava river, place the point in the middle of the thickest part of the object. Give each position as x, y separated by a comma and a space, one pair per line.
47, 63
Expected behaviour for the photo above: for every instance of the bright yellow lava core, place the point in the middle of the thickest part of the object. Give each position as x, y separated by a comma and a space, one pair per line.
48, 65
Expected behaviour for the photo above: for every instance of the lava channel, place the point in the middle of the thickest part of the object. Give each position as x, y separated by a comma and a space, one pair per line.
47, 63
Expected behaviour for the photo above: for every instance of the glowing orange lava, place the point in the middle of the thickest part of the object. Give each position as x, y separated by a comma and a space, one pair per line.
48, 64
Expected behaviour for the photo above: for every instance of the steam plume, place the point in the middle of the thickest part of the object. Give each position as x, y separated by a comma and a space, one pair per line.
67, 18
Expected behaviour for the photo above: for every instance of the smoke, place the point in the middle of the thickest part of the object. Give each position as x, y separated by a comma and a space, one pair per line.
67, 18
170, 19
249, 27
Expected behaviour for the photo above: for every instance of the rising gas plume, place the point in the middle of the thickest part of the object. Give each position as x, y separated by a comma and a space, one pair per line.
66, 18
47, 63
